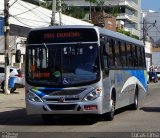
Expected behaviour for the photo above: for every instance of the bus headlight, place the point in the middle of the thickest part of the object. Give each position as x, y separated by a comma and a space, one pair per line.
93, 95
33, 97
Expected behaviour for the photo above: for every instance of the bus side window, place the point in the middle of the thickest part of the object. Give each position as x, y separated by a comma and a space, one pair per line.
134, 53
123, 54
105, 59
136, 56
118, 59
139, 57
143, 57
129, 55
111, 53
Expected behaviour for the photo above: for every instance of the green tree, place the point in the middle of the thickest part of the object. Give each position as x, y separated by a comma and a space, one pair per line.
101, 4
90, 7
76, 12
127, 33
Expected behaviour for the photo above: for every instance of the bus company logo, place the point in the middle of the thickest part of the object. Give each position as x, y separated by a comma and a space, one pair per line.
61, 99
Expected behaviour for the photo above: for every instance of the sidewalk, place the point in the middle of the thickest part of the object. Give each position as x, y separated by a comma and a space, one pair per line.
12, 101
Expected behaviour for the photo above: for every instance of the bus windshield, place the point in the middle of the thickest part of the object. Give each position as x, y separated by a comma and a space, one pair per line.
59, 65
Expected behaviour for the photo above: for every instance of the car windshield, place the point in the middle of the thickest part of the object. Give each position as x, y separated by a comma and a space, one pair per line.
62, 64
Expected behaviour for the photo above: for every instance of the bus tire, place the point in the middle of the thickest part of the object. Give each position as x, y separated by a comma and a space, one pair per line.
47, 118
134, 106
110, 115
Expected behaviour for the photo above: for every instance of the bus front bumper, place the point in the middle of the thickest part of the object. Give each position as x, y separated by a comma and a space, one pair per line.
90, 107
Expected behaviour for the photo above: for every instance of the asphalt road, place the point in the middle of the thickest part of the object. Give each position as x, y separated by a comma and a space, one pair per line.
143, 122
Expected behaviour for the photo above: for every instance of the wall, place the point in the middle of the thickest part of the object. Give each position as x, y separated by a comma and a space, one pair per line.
156, 56
106, 19
148, 51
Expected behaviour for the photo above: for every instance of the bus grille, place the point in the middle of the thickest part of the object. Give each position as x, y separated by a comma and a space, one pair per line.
63, 92
62, 107
57, 99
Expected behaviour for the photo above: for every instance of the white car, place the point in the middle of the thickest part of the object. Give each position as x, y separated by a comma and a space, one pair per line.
14, 72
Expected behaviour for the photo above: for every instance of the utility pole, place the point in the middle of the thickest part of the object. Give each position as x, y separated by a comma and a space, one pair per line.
6, 44
60, 11
144, 32
90, 10
145, 29
53, 12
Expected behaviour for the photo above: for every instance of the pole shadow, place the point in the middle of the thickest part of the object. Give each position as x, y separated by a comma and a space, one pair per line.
150, 109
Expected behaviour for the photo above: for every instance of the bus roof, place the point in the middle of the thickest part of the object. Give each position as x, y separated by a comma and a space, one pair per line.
101, 31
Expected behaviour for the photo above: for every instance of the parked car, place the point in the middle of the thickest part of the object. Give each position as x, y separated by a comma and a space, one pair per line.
158, 74
153, 76
14, 72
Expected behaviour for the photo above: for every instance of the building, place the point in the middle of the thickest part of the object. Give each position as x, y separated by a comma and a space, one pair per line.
129, 12
104, 20
148, 51
151, 20
156, 58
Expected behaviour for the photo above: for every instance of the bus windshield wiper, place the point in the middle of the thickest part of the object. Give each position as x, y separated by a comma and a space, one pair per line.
44, 44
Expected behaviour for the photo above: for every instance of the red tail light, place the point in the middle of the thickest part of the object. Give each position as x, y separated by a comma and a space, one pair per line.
19, 75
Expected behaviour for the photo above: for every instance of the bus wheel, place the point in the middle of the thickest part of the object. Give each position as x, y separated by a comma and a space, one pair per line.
47, 118
134, 106
110, 115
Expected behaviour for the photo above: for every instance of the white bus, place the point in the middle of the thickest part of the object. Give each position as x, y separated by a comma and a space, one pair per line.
83, 70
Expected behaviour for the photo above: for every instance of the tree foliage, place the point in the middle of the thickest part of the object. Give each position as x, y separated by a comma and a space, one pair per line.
127, 33
76, 12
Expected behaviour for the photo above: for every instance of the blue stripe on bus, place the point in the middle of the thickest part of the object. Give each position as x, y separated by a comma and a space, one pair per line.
140, 75
45, 88
37, 90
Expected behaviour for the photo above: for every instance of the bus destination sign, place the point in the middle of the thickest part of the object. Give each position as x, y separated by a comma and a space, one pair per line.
62, 35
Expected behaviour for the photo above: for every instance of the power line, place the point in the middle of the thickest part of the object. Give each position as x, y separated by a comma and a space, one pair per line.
13, 3
157, 29
25, 11
30, 19
27, 24
31, 11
